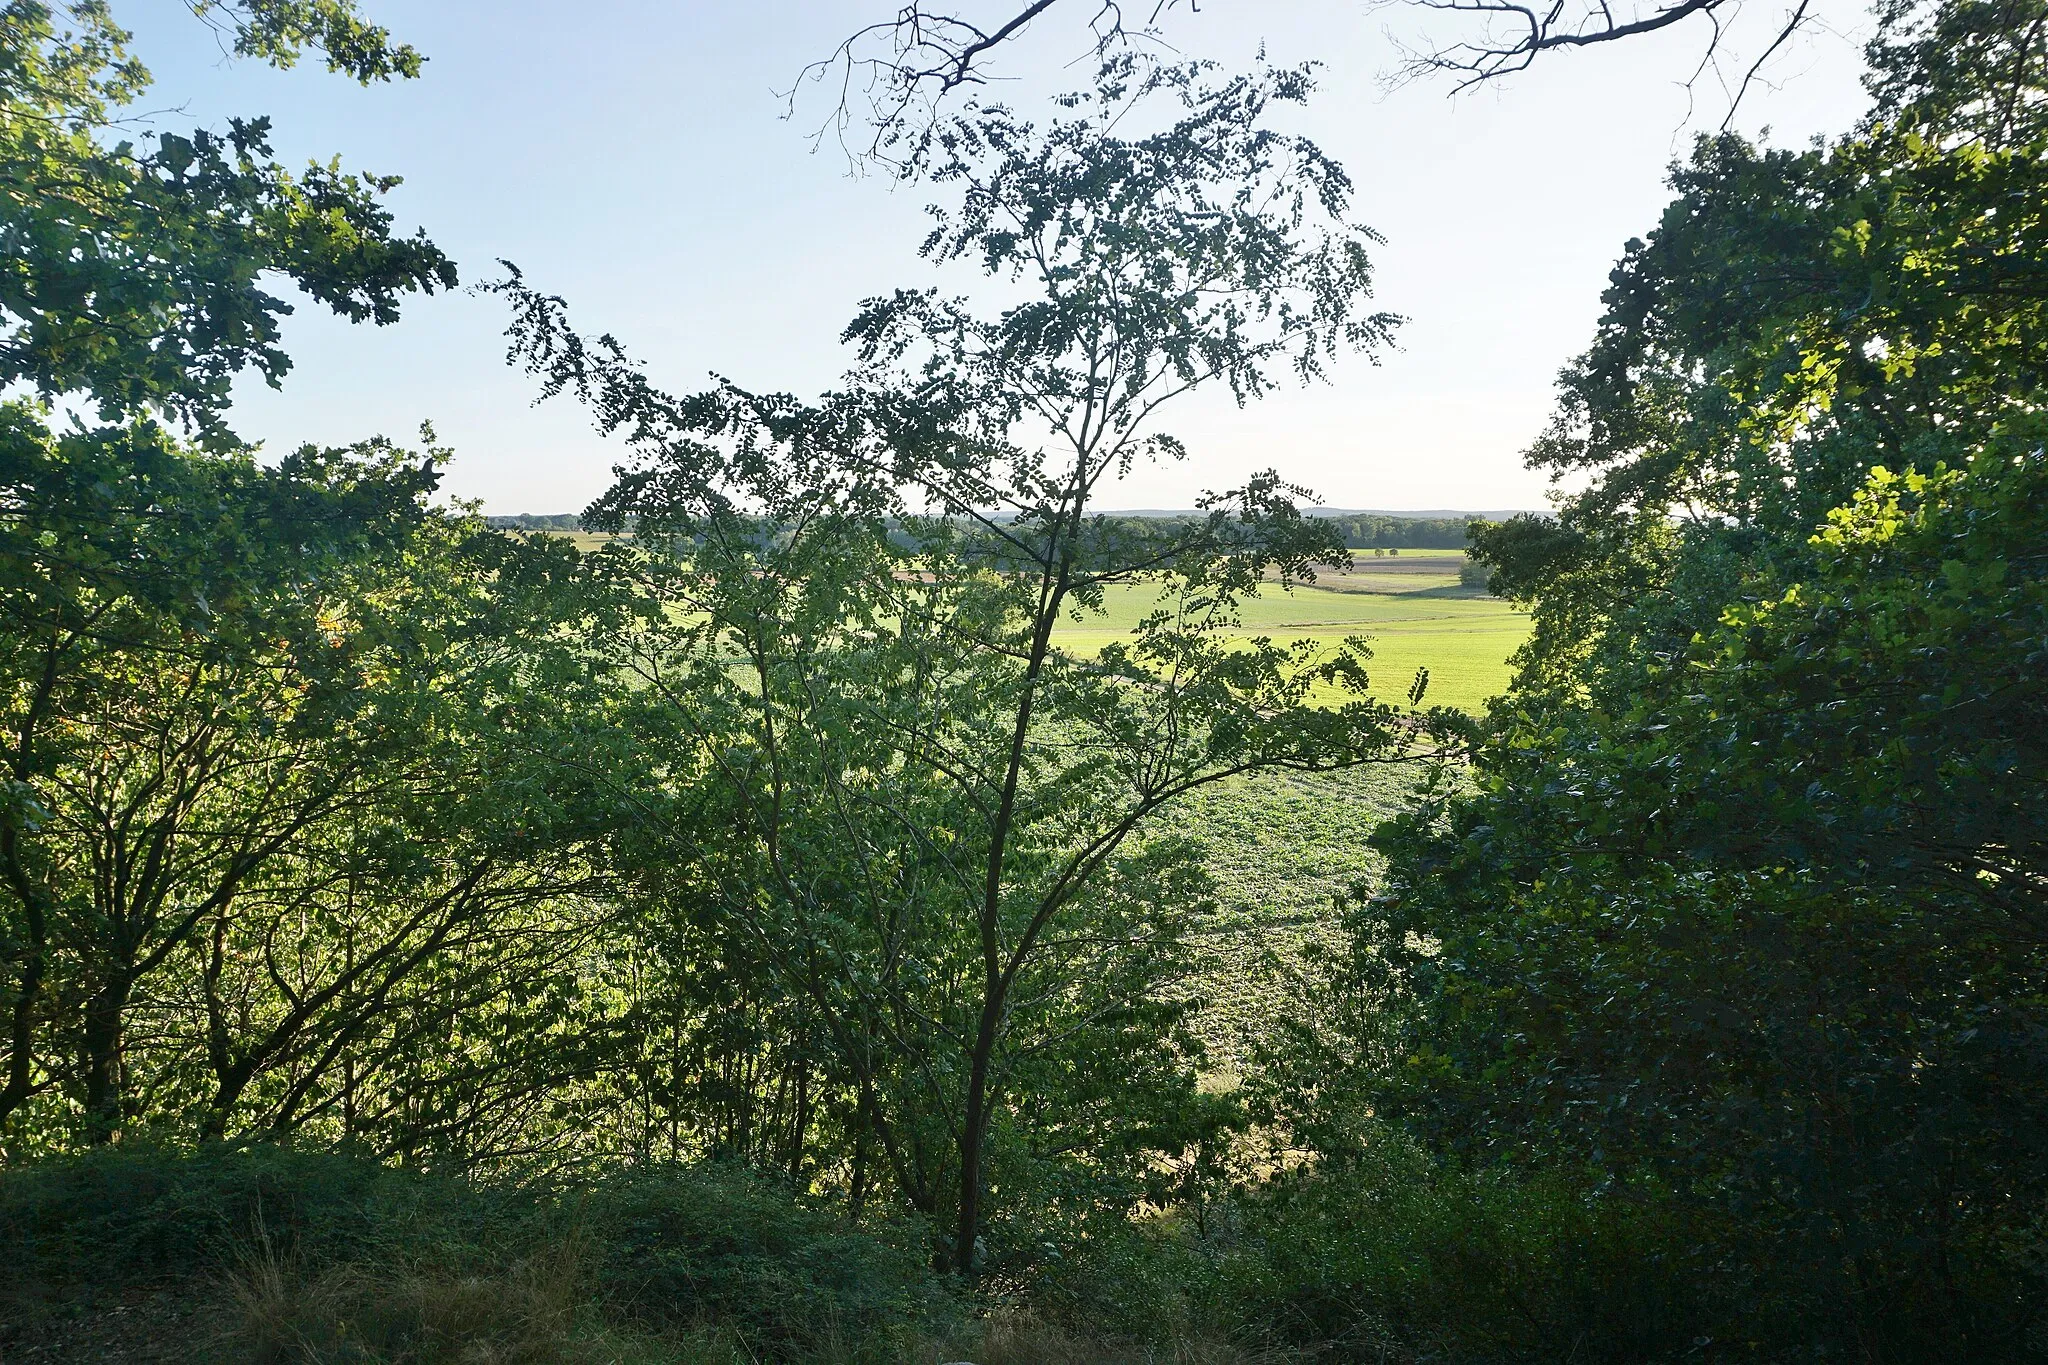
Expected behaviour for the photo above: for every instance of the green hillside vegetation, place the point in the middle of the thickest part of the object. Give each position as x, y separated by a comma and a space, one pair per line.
849, 899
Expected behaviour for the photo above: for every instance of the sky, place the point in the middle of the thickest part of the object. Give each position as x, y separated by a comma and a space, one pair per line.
633, 156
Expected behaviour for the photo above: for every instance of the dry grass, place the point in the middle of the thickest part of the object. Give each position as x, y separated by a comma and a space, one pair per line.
542, 1312
1021, 1339
539, 1311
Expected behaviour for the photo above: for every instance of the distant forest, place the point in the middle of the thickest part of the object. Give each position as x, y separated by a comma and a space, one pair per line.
1361, 530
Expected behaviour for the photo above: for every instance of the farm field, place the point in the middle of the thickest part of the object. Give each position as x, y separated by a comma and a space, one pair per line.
1410, 607
586, 541
1279, 849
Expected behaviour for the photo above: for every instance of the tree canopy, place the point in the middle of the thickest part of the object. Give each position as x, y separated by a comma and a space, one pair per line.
1745, 906
136, 261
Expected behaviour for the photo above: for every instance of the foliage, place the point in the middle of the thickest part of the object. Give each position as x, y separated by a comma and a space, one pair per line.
870, 828
933, 830
1389, 1255
689, 1245
134, 1214
133, 271
337, 1254
1745, 906
269, 834
1420, 533
528, 521
1367, 531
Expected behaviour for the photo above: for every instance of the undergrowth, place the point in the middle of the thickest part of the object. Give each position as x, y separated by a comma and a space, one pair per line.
311, 1259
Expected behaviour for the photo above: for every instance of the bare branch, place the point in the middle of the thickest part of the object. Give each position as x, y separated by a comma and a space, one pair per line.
1792, 25
902, 68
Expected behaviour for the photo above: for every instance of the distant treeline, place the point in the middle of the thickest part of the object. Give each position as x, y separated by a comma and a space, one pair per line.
1361, 531
1404, 533
1370, 530
532, 521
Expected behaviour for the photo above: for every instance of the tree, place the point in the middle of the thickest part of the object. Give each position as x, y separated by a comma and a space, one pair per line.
133, 272
257, 773
132, 284
114, 568
942, 830
1744, 912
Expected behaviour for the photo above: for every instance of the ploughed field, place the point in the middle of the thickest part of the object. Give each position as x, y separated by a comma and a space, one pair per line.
1410, 607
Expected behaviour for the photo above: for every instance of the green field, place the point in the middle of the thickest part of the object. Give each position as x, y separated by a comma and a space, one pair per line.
1410, 607
1279, 849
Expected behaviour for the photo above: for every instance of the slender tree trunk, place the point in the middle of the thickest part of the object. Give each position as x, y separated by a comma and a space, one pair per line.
974, 1134
857, 1183
803, 1120
35, 901
104, 1083
995, 989
21, 1027
28, 980
229, 1074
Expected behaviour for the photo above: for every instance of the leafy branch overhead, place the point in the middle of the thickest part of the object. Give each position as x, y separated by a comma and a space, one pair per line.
277, 31
136, 262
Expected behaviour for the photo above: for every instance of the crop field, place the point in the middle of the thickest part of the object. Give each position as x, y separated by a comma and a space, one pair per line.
1279, 850
1410, 607
585, 541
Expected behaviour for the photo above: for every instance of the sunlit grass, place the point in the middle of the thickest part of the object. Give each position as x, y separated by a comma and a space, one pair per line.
1413, 619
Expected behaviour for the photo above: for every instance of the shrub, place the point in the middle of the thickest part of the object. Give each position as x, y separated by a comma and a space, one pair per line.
682, 1245
331, 1258
1390, 1253
132, 1215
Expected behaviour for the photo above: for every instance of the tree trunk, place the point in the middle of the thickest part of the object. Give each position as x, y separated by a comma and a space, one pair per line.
974, 1135
229, 1083
28, 981
104, 1083
803, 1120
857, 1184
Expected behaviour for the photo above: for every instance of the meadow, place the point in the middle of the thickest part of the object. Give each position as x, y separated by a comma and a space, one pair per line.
1280, 849
1411, 608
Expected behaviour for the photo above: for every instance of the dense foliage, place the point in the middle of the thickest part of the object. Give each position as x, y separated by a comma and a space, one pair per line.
779, 830
933, 838
339, 1258
1369, 532
262, 795
1744, 915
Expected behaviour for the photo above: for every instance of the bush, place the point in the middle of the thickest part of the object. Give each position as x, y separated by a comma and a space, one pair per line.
1390, 1256
331, 1258
134, 1215
684, 1245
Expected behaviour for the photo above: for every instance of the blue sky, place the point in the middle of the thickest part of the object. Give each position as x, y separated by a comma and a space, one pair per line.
633, 157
